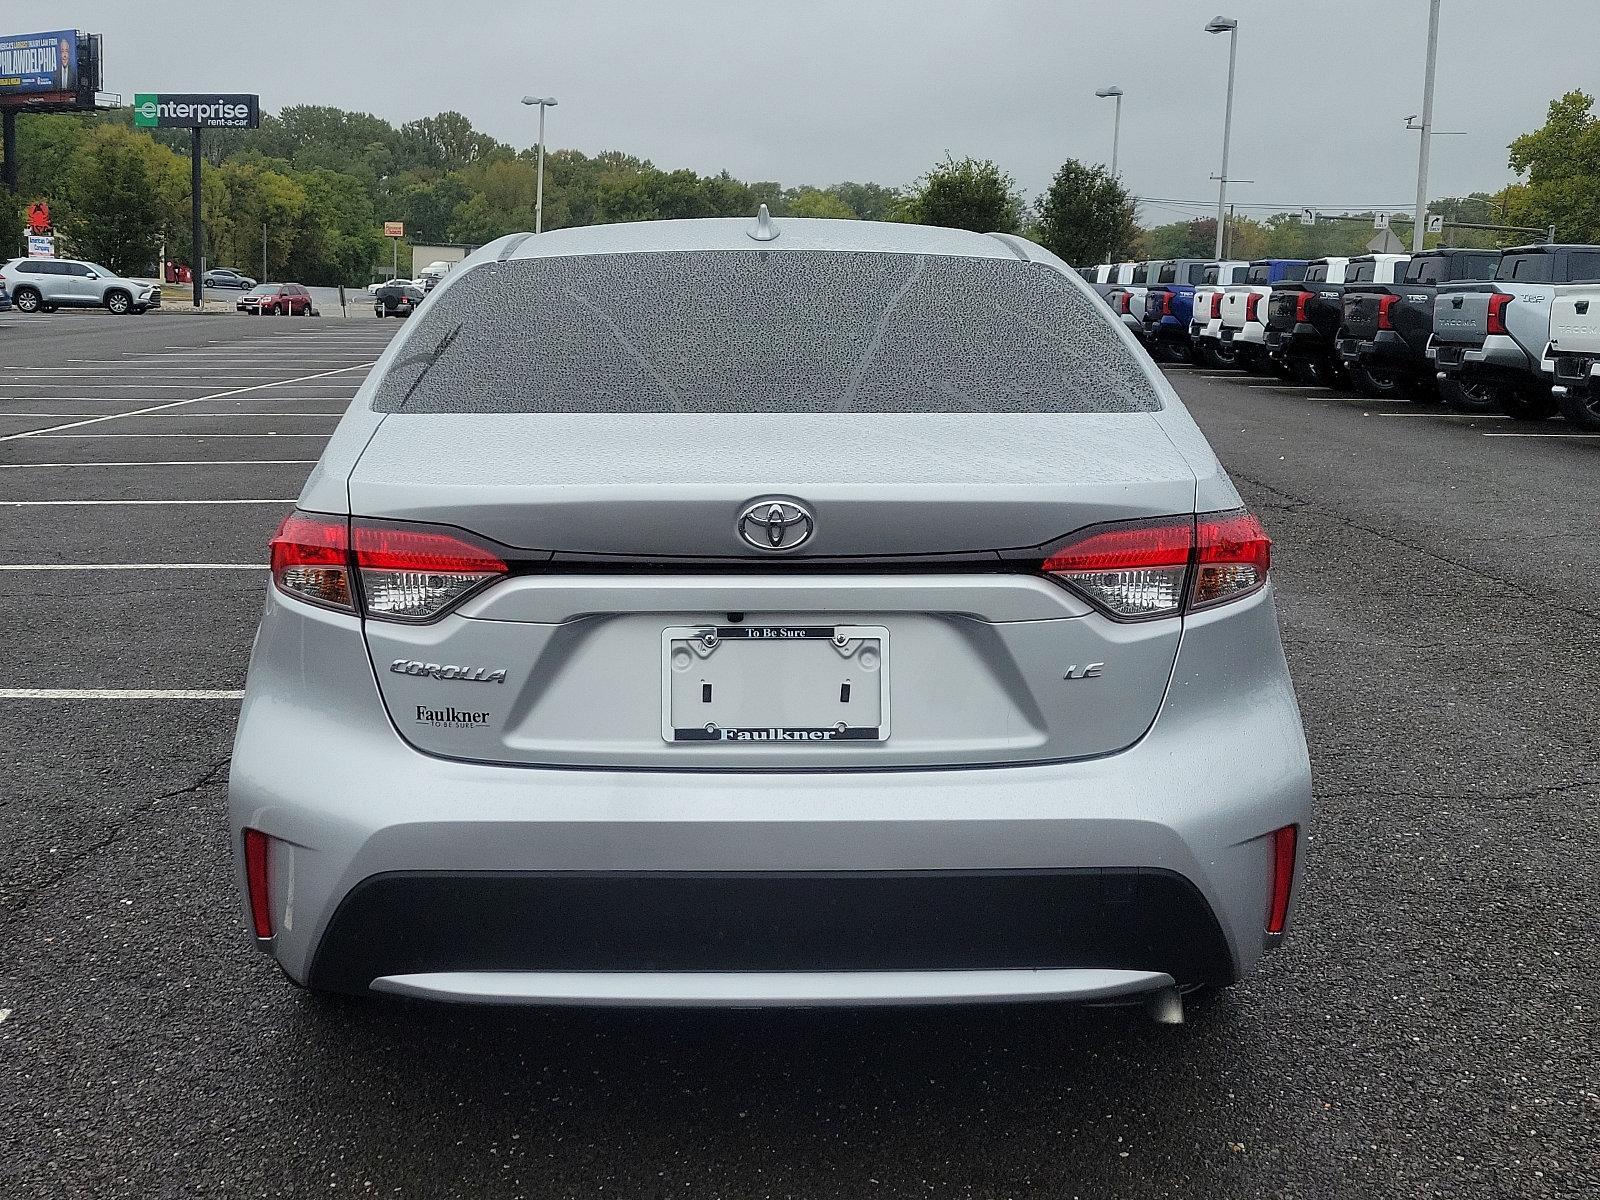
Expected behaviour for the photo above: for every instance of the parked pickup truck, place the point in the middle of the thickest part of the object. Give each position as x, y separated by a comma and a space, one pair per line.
1127, 301
1168, 305
1244, 309
1573, 357
1107, 277
1383, 340
1205, 323
1489, 339
1303, 319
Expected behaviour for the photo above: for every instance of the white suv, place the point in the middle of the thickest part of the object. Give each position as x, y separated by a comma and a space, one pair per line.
46, 284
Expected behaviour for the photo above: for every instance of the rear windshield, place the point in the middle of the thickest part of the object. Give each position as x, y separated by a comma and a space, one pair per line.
1197, 272
1527, 268
1141, 273
1361, 272
1169, 274
1261, 274
1317, 273
1583, 266
763, 331
1296, 272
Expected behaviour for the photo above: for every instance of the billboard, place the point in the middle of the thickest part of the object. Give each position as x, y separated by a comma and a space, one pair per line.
39, 63
394, 229
41, 247
196, 110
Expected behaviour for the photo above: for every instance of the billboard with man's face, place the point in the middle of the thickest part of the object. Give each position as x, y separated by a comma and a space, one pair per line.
35, 63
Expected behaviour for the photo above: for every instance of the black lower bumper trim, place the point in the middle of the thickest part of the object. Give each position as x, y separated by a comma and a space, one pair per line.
405, 923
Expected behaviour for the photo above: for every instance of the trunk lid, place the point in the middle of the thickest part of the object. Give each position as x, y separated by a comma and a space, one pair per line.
1575, 320
1461, 314
961, 654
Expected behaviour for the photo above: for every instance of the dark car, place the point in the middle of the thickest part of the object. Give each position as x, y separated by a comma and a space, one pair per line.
396, 299
277, 299
226, 277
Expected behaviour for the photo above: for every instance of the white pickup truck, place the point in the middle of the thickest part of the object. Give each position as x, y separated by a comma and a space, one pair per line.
1244, 309
1572, 358
1491, 341
1205, 325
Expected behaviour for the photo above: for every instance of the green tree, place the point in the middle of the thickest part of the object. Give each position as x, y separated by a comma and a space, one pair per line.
116, 216
1561, 160
814, 202
966, 194
1086, 216
869, 201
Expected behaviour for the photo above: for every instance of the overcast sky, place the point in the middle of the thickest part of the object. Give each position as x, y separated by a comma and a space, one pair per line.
822, 91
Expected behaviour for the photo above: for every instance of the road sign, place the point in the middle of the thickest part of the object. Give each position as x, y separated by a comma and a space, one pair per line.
1381, 221
1385, 242
1435, 224
1308, 216
394, 229
40, 246
196, 110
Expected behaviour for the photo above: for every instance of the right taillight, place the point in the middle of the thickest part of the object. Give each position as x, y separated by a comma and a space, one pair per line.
1145, 570
1216, 306
1285, 842
1252, 306
257, 882
1385, 307
1498, 303
402, 571
1302, 307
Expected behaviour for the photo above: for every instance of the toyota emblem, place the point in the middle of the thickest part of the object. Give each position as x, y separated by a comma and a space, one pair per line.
776, 524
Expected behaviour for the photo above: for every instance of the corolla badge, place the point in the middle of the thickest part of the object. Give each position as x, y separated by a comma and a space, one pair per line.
776, 524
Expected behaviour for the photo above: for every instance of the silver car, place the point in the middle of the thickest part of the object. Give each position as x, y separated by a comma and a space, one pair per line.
768, 613
46, 284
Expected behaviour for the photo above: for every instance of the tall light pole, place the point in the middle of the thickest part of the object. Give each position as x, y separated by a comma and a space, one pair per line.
1230, 27
1420, 228
1113, 93
543, 102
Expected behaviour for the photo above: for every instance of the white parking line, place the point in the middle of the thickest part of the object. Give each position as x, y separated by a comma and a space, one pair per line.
1449, 415
132, 567
53, 436
115, 503
1288, 387
118, 694
177, 403
171, 462
1570, 437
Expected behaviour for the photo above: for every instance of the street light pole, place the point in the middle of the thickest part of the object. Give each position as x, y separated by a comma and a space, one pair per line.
1230, 27
1114, 93
1420, 227
543, 102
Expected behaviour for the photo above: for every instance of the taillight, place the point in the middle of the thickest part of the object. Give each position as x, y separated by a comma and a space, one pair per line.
407, 572
1385, 307
1144, 570
1252, 305
1302, 302
413, 573
1125, 304
1216, 306
1284, 844
311, 560
256, 846
1166, 304
1231, 559
1498, 303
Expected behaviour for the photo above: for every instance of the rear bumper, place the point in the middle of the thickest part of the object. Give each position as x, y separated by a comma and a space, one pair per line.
828, 926
1252, 333
386, 862
1386, 347
1302, 341
1497, 353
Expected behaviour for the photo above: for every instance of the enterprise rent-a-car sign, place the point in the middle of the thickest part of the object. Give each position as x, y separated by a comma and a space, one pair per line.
196, 110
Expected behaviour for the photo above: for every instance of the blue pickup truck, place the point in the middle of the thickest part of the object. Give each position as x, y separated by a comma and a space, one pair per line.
1169, 307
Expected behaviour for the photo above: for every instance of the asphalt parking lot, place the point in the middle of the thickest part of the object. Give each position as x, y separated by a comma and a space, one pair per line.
1429, 1029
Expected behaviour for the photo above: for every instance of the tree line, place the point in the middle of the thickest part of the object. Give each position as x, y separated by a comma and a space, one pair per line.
305, 195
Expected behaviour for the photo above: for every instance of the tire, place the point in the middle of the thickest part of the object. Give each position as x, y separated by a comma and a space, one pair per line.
1581, 407
1377, 383
27, 299
1212, 354
1475, 398
1313, 372
118, 302
1528, 402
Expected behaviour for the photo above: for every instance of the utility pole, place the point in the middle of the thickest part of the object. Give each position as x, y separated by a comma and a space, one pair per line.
1420, 228
1114, 93
196, 271
263, 252
543, 102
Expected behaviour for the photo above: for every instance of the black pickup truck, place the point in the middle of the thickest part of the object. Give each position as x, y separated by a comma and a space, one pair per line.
1302, 319
1383, 341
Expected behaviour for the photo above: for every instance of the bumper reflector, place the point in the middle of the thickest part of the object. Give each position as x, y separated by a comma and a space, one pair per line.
1283, 852
255, 871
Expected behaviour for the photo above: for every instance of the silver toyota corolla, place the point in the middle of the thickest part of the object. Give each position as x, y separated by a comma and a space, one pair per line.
749, 612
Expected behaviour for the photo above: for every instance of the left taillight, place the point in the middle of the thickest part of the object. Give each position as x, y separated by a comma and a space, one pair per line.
1146, 570
1216, 306
1252, 306
389, 570
1498, 303
311, 560
1385, 308
1302, 307
1285, 843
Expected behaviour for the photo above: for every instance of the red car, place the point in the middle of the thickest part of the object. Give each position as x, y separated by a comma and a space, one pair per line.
280, 299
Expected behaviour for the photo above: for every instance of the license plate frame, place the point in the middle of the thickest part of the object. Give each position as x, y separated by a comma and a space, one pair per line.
842, 669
